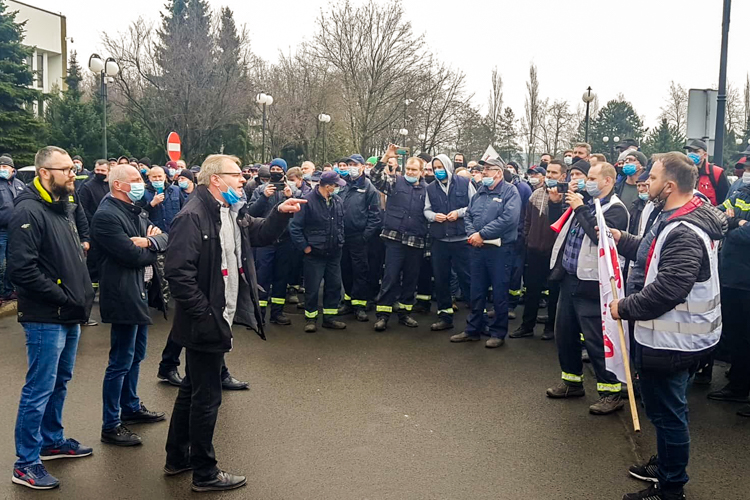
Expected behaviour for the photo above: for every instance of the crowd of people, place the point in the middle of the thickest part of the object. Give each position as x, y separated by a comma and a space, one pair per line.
242, 245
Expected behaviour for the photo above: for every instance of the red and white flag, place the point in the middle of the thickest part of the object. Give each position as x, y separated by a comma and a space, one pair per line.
609, 266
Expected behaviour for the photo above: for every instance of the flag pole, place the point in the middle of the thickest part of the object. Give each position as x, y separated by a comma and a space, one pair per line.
626, 364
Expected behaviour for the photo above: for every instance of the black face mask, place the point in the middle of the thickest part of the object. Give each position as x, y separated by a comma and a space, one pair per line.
276, 176
100, 177
247, 176
429, 178
458, 164
507, 176
543, 164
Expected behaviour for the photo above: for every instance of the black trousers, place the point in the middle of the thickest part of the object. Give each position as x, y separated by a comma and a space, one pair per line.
736, 328
355, 271
170, 359
448, 257
273, 269
191, 430
402, 264
424, 283
327, 270
578, 314
375, 260
535, 279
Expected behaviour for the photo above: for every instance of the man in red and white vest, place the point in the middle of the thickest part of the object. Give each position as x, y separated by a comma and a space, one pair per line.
712, 180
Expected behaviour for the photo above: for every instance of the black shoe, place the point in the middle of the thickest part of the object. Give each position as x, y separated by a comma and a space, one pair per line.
89, 322
521, 332
564, 391
345, 309
301, 305
232, 384
361, 316
542, 318
172, 377
223, 481
440, 326
653, 492
421, 308
381, 324
142, 416
281, 319
744, 411
647, 471
702, 378
548, 336
173, 470
542, 303
333, 324
408, 321
727, 394
121, 436
311, 327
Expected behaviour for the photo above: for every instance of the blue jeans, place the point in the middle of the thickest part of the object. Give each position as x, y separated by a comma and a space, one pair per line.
51, 351
127, 350
665, 398
490, 267
7, 286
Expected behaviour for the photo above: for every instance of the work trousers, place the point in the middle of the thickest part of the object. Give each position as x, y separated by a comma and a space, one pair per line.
322, 269
424, 284
272, 265
736, 327
490, 267
191, 429
355, 271
535, 280
576, 315
400, 279
375, 260
449, 258
515, 288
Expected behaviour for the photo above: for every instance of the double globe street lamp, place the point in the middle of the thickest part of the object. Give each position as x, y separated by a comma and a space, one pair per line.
264, 100
588, 97
107, 70
323, 119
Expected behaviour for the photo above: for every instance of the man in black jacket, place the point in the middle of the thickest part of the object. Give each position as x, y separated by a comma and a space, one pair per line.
10, 188
677, 314
95, 189
318, 231
46, 263
128, 244
361, 222
211, 273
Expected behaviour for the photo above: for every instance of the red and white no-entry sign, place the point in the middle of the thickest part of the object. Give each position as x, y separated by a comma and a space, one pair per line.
174, 148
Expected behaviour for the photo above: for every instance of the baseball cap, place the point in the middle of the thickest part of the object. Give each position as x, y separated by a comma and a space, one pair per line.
264, 172
626, 143
538, 170
356, 158
6, 160
330, 177
695, 144
492, 162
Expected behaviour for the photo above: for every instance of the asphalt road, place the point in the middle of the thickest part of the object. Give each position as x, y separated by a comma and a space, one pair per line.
356, 414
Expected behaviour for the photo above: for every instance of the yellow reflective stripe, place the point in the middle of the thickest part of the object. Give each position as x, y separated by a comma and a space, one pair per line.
311, 315
609, 387
446, 311
515, 293
424, 297
330, 312
347, 298
727, 204
362, 303
295, 287
95, 285
384, 309
59, 281
263, 303
582, 339
523, 289
408, 307
545, 292
276, 300
741, 204
571, 377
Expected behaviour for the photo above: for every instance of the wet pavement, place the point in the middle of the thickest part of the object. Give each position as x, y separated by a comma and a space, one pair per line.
356, 414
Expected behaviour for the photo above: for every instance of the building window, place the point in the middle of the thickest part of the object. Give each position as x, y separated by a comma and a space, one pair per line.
40, 70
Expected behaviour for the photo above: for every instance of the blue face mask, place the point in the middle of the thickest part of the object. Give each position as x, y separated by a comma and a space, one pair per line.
336, 190
137, 189
353, 172
307, 177
592, 188
5, 174
629, 169
410, 179
581, 185
172, 172
229, 195
158, 185
183, 184
144, 170
643, 196
550, 183
488, 181
695, 158
441, 174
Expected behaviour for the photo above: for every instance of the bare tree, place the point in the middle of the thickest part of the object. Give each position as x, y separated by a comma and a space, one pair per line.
735, 111
746, 99
557, 128
675, 108
495, 104
533, 110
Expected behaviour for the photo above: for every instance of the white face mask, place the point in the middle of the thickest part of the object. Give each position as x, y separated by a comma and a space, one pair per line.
534, 181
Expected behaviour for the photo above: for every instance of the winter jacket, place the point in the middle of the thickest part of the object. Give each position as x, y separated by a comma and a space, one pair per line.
713, 182
683, 262
46, 262
124, 295
260, 206
193, 268
91, 194
319, 225
734, 263
404, 209
495, 213
445, 198
164, 213
82, 178
361, 202
9, 190
537, 232
524, 191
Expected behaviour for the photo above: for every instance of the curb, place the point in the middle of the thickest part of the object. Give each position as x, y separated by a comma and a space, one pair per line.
9, 309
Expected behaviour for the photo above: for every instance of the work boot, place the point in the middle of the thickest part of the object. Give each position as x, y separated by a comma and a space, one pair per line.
521, 332
421, 307
494, 342
291, 296
346, 308
310, 326
607, 404
464, 337
654, 492
381, 324
440, 326
281, 319
361, 315
548, 335
564, 391
727, 394
407, 320
333, 324
647, 471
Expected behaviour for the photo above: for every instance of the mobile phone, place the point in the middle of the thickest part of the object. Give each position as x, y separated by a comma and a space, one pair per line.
402, 152
562, 187
279, 185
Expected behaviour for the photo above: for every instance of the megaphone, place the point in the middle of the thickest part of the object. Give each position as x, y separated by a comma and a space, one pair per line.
557, 226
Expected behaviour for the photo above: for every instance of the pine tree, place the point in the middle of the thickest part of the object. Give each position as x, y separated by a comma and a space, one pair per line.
19, 128
663, 139
616, 119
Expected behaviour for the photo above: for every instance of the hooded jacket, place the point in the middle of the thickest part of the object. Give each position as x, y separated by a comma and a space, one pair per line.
46, 261
9, 190
444, 198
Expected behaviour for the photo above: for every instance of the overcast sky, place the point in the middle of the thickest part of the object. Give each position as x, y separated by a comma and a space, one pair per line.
634, 47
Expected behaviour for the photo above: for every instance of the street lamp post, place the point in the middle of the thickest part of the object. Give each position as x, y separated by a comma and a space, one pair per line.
588, 97
324, 118
106, 70
264, 100
721, 100
403, 133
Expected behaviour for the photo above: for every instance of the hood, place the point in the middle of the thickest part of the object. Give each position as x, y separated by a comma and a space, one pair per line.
447, 163
708, 218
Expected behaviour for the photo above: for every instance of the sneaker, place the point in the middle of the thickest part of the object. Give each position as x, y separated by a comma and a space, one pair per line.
142, 416
521, 332
333, 324
223, 481
345, 309
311, 327
548, 336
563, 391
494, 342
172, 470
607, 404
727, 394
464, 337
408, 321
440, 326
281, 319
35, 477
653, 492
647, 471
69, 449
361, 316
121, 436
381, 324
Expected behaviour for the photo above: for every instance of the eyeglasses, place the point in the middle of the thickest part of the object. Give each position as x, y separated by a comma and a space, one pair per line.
65, 171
